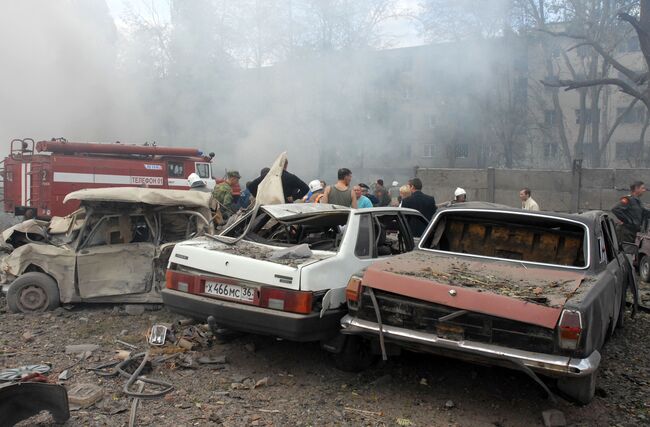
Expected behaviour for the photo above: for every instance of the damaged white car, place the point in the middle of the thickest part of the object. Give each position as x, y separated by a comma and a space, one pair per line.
287, 277
113, 249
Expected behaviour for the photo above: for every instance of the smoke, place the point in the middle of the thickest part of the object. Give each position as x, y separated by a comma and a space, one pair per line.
244, 79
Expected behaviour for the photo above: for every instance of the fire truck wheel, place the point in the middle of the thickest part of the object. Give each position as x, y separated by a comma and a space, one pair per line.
33, 292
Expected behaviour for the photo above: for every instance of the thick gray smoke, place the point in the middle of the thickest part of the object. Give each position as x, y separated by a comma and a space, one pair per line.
244, 79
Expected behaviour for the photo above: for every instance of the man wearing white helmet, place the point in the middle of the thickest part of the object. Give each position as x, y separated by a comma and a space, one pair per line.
315, 191
197, 184
460, 196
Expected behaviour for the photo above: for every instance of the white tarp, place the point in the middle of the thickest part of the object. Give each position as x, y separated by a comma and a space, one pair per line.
150, 196
270, 190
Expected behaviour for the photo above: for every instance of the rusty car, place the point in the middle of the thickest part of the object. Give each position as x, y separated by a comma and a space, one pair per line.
113, 249
536, 291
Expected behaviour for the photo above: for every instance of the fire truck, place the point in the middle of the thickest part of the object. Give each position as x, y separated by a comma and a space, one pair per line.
38, 175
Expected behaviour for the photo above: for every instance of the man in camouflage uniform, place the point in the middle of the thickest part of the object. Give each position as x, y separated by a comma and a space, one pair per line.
631, 212
222, 193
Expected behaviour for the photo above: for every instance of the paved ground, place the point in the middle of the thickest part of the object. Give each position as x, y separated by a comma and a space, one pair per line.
305, 389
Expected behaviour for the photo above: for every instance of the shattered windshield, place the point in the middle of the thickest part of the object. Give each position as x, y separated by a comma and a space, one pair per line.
510, 236
323, 231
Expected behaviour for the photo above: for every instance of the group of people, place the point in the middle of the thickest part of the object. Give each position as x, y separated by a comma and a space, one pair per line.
342, 193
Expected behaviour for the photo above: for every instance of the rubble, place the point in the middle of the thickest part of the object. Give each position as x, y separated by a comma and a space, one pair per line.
84, 395
80, 348
553, 418
134, 309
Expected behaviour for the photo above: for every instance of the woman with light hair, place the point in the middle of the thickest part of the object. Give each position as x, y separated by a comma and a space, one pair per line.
404, 192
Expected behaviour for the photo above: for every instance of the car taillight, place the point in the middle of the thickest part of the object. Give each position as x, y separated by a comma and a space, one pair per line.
182, 282
285, 300
570, 329
353, 290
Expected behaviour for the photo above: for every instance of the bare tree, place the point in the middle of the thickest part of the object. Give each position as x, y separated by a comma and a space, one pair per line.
598, 37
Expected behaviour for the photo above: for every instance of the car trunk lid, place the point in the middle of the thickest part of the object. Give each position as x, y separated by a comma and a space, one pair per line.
528, 294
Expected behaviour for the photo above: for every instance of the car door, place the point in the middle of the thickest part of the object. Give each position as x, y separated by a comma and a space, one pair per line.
616, 265
116, 257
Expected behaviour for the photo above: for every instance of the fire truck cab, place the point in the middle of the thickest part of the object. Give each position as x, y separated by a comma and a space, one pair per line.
38, 175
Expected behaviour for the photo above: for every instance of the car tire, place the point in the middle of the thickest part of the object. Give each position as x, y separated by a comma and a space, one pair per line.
580, 390
644, 268
33, 292
355, 355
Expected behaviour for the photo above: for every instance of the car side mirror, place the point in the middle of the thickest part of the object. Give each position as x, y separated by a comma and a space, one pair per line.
630, 248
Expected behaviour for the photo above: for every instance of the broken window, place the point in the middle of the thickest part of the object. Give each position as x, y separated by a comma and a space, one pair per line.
118, 230
362, 247
322, 231
390, 236
510, 236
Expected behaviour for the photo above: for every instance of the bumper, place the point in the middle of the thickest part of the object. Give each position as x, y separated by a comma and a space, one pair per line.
553, 365
257, 320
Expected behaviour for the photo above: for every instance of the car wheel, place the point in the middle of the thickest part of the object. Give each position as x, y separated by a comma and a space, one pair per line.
581, 390
644, 268
33, 292
355, 355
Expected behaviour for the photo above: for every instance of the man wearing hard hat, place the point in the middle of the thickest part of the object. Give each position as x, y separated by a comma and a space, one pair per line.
460, 196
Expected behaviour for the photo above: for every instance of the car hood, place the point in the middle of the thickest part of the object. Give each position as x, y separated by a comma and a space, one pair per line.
529, 294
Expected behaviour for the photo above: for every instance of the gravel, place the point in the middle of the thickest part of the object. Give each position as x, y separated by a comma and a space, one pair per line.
285, 383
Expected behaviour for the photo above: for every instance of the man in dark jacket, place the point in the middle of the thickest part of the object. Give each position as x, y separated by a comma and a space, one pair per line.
631, 212
293, 187
421, 202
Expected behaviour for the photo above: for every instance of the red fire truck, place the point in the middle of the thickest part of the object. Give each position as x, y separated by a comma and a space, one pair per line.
39, 181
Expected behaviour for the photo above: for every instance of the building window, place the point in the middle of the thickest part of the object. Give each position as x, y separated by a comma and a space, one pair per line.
550, 117
550, 151
407, 93
461, 151
427, 150
584, 151
627, 150
404, 151
432, 122
590, 116
635, 115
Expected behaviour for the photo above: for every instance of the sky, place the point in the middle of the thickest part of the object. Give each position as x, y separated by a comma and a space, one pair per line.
401, 32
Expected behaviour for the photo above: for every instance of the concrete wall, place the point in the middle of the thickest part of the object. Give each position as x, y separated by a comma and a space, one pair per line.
554, 190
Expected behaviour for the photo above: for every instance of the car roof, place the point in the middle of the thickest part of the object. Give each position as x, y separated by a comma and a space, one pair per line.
150, 196
288, 210
587, 217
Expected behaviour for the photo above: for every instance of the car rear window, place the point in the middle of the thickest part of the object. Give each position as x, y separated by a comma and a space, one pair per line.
320, 231
510, 236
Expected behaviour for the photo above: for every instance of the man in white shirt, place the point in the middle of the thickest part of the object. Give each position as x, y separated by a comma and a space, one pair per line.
527, 202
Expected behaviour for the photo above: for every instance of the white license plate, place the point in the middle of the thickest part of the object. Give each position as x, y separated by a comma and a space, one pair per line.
226, 290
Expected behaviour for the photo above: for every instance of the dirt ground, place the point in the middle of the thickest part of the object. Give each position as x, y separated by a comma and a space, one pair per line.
303, 387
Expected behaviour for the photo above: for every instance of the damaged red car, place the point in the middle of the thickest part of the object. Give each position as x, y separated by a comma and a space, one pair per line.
535, 291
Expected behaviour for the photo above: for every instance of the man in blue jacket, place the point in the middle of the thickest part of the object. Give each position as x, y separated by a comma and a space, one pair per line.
421, 202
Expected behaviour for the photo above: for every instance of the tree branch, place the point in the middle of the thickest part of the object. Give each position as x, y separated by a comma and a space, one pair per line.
623, 16
572, 84
598, 48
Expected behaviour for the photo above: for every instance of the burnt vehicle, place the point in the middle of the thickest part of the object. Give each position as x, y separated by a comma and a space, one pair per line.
114, 248
535, 291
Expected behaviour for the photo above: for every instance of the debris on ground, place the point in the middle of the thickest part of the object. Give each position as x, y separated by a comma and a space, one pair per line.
80, 348
553, 418
84, 395
22, 372
65, 375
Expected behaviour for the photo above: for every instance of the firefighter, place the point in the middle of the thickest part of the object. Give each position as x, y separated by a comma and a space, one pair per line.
631, 212
222, 193
197, 184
